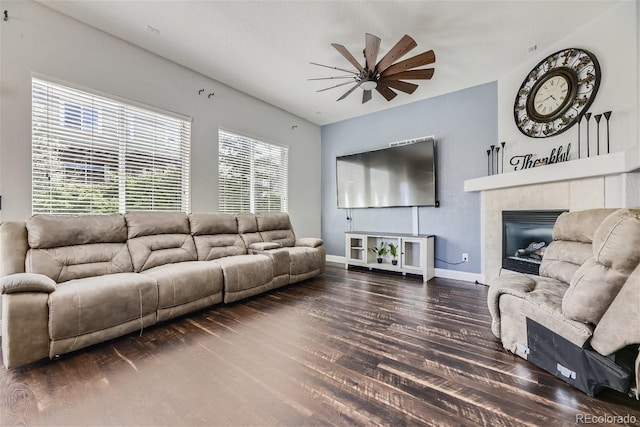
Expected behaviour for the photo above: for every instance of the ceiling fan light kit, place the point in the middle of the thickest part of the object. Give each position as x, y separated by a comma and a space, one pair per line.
368, 85
387, 74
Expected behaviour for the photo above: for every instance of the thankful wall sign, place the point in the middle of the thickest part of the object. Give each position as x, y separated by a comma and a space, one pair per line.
531, 160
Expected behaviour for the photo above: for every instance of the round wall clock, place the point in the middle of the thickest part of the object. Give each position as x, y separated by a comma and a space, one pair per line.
554, 94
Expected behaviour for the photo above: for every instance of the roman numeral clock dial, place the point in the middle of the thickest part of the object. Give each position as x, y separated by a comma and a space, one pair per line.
555, 93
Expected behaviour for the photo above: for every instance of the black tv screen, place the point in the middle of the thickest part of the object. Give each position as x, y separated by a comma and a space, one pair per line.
403, 175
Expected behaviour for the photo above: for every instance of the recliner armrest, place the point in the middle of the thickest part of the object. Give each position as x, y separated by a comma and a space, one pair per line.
264, 246
26, 282
310, 242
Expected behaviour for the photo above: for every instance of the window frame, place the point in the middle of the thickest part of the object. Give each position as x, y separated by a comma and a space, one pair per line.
115, 157
254, 204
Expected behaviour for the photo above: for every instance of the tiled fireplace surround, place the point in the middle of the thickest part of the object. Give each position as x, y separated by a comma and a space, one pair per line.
576, 185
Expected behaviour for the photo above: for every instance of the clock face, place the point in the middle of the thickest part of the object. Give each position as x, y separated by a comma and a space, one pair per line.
556, 92
551, 95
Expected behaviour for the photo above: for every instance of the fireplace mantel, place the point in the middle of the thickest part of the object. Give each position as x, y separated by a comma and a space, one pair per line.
606, 164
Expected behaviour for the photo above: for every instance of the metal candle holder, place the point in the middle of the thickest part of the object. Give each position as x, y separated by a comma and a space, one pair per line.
607, 115
488, 162
502, 143
497, 151
493, 147
598, 117
588, 116
579, 126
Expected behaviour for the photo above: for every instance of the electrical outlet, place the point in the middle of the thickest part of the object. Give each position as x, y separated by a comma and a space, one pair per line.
465, 257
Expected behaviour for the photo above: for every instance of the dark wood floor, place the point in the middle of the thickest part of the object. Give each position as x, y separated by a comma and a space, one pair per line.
347, 348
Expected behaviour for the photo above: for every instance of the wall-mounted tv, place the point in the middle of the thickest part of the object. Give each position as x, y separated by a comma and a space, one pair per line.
401, 175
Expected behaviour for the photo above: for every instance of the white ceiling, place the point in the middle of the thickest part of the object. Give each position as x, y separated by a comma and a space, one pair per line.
264, 48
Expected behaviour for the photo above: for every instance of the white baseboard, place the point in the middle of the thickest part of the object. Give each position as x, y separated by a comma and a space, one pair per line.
459, 275
335, 258
439, 272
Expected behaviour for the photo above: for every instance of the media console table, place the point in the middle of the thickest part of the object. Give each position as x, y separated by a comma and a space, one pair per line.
416, 253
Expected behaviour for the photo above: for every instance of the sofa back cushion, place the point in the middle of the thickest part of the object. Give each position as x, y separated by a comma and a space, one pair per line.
616, 252
158, 238
216, 235
248, 229
276, 227
571, 247
66, 247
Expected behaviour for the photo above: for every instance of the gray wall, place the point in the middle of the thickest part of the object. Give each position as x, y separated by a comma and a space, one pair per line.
37, 39
465, 123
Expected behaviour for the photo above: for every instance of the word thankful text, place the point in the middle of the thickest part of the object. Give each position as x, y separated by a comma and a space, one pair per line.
527, 161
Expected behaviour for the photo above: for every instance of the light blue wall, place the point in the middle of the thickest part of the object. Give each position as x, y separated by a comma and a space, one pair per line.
465, 124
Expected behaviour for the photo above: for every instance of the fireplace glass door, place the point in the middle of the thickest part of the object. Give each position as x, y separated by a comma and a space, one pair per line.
525, 237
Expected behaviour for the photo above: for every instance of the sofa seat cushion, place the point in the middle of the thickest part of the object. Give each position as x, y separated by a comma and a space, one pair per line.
245, 275
542, 298
185, 282
91, 304
544, 306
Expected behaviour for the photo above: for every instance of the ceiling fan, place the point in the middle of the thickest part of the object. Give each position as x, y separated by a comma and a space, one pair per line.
383, 76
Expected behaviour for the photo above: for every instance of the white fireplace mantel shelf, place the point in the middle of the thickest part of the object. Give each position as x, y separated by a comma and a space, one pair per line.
607, 164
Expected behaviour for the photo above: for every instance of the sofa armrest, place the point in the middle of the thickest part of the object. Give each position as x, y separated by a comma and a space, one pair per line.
26, 282
264, 246
510, 283
310, 242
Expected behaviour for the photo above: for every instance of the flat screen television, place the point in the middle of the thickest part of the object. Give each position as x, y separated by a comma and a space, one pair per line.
402, 175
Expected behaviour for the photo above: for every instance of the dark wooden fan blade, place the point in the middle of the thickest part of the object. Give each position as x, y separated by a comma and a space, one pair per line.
343, 50
366, 96
386, 92
413, 62
397, 84
425, 74
327, 88
348, 92
371, 49
404, 45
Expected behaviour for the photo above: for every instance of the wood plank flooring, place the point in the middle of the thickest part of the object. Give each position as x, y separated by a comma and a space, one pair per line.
346, 348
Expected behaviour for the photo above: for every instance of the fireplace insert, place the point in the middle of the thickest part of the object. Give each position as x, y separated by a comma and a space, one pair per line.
525, 237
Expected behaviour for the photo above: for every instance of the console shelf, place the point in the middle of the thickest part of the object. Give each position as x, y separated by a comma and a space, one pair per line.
415, 252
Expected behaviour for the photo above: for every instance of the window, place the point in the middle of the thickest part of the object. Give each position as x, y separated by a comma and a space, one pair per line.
92, 154
253, 175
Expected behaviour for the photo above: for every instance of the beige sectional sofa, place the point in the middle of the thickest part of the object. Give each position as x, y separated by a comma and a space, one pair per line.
68, 282
580, 318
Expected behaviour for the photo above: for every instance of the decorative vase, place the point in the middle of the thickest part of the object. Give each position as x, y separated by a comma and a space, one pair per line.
379, 260
394, 261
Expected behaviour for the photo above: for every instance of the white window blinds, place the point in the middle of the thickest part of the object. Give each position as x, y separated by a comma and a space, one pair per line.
253, 175
92, 154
